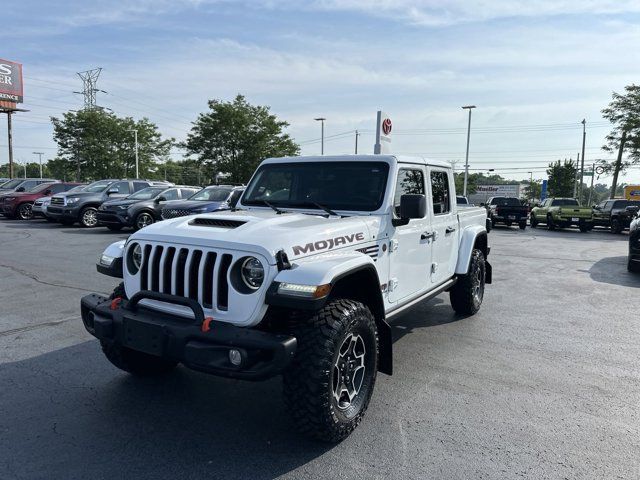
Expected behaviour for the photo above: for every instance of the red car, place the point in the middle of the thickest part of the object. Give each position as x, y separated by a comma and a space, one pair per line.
19, 204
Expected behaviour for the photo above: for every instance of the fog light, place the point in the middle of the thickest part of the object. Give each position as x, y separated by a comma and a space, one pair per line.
235, 357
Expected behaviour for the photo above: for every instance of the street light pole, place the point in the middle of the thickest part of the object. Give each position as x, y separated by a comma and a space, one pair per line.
530, 185
321, 120
40, 155
466, 163
135, 135
584, 137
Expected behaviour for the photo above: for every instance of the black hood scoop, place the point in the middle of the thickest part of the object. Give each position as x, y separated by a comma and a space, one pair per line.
216, 222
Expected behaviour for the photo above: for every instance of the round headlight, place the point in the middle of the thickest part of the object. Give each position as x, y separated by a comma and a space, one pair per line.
134, 258
252, 273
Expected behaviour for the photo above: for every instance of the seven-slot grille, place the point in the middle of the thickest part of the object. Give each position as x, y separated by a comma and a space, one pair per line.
175, 212
187, 272
57, 201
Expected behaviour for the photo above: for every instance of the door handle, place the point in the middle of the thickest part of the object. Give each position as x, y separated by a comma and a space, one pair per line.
428, 235
450, 229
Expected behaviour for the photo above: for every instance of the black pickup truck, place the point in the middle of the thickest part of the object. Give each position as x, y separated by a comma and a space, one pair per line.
615, 214
507, 210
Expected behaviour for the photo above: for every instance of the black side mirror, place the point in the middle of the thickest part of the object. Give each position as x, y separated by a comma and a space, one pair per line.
111, 191
411, 206
482, 204
160, 199
47, 192
21, 189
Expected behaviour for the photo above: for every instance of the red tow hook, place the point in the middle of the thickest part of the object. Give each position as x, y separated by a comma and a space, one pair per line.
115, 303
206, 324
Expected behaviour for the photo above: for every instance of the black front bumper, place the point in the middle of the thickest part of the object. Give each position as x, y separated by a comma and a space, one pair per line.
106, 217
63, 212
182, 339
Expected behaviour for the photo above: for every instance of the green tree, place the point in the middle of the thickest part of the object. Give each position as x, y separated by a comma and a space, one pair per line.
624, 114
532, 191
101, 145
561, 178
233, 137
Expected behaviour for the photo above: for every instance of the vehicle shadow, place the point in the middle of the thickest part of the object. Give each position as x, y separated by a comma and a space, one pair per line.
427, 314
70, 414
613, 270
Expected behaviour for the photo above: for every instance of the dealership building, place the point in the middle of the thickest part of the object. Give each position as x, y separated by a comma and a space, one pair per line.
483, 192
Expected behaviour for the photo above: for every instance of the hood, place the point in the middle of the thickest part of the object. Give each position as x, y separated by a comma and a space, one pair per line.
298, 234
78, 194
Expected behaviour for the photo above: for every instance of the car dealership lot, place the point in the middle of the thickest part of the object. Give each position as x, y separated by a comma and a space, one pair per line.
543, 382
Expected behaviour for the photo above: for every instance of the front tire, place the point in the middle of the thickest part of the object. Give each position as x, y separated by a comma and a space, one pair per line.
329, 384
534, 221
143, 219
633, 267
89, 217
550, 224
522, 225
616, 226
24, 211
584, 228
467, 294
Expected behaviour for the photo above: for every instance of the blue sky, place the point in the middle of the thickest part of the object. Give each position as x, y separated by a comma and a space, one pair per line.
534, 69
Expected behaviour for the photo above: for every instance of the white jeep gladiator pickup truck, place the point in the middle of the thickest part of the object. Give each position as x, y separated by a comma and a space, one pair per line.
300, 279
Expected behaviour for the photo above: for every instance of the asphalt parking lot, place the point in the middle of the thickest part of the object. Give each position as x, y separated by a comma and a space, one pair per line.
542, 383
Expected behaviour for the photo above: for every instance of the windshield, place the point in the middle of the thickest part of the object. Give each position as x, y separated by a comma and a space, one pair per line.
211, 194
563, 202
356, 186
40, 188
506, 202
79, 188
11, 184
98, 186
147, 193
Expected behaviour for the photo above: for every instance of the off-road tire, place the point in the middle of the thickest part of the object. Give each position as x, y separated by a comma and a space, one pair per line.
493, 223
550, 224
309, 381
134, 362
522, 225
633, 267
489, 225
616, 226
467, 294
533, 220
84, 217
114, 228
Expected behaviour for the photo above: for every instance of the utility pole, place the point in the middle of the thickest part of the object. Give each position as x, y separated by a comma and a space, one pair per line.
575, 180
584, 137
357, 135
135, 136
466, 163
321, 120
614, 185
593, 174
10, 135
40, 155
89, 81
530, 185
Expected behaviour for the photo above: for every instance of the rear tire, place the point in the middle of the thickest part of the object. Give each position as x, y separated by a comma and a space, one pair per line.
550, 224
326, 388
142, 220
616, 226
534, 221
633, 267
584, 228
467, 294
522, 225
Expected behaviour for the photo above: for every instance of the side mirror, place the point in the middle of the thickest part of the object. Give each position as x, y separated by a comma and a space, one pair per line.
160, 199
411, 206
111, 191
47, 192
21, 189
482, 204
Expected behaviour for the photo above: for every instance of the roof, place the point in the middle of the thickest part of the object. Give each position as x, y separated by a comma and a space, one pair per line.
360, 158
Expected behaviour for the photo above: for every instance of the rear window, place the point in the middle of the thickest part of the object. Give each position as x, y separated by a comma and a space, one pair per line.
565, 202
625, 204
506, 202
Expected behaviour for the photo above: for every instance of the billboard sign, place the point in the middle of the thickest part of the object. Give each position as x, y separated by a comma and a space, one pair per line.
499, 190
11, 81
383, 134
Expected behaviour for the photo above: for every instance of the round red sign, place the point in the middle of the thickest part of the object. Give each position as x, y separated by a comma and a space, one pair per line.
386, 126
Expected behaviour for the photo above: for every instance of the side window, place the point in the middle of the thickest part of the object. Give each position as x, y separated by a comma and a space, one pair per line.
29, 184
602, 204
170, 194
608, 205
137, 186
122, 187
187, 192
409, 182
58, 187
440, 193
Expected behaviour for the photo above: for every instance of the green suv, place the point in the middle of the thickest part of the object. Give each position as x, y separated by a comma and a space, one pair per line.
562, 213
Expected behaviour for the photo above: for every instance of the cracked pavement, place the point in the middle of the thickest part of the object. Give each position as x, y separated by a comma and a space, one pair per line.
542, 383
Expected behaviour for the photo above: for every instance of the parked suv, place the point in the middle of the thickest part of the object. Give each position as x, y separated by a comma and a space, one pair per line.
299, 280
562, 213
210, 199
41, 204
615, 214
19, 204
142, 208
82, 207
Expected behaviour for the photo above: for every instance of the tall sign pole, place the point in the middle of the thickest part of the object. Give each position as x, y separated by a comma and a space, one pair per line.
11, 93
383, 133
466, 162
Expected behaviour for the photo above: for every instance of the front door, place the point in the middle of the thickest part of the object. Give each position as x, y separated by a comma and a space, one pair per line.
444, 223
410, 257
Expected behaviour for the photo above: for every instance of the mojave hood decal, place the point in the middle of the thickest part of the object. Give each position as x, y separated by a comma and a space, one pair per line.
328, 243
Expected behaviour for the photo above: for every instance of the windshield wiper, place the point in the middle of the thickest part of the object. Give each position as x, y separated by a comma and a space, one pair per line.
322, 207
273, 207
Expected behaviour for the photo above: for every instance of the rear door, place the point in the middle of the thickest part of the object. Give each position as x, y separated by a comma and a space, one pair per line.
444, 223
410, 257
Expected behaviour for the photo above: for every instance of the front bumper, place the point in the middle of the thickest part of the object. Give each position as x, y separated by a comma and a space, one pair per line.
9, 209
264, 354
39, 210
65, 212
634, 245
106, 217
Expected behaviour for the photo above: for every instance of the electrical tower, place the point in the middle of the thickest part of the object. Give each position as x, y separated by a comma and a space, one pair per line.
89, 80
